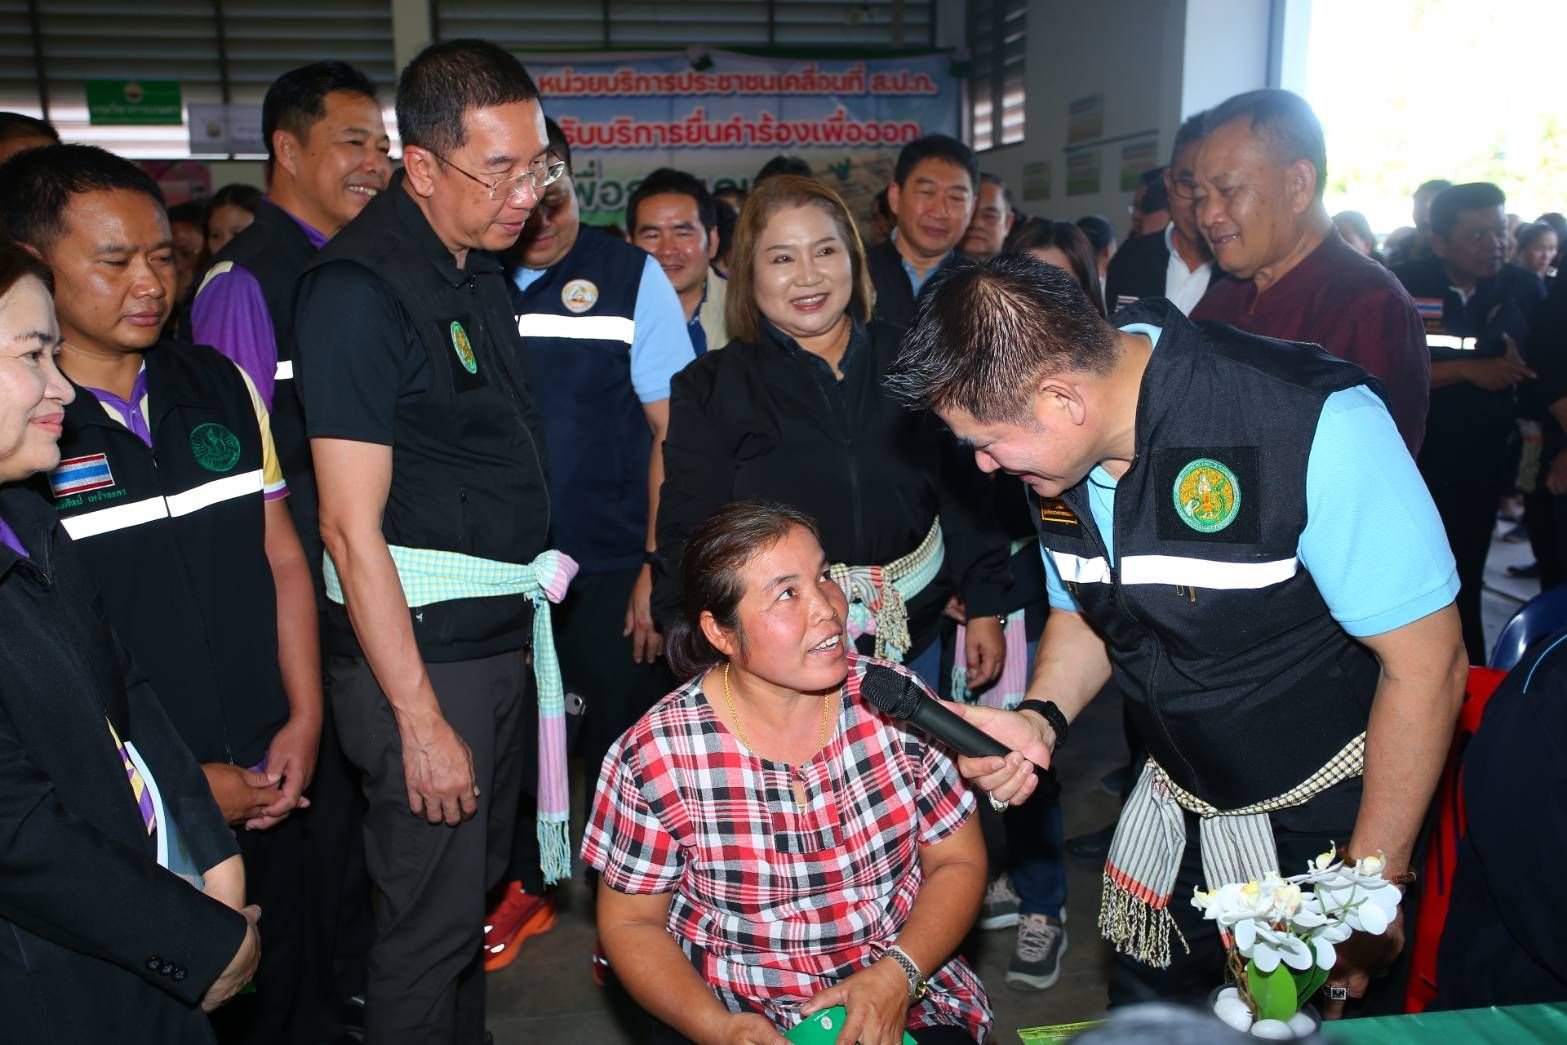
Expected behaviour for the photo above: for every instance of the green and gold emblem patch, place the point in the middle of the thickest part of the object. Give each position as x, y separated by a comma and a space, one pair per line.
1207, 495
464, 348
216, 448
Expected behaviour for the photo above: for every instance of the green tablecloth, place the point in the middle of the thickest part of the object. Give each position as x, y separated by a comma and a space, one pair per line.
1518, 1025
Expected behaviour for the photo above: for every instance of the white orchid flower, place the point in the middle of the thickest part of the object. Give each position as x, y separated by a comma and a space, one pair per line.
1238, 901
1320, 930
1267, 946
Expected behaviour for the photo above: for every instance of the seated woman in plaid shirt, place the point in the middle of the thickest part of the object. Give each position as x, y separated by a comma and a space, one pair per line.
769, 844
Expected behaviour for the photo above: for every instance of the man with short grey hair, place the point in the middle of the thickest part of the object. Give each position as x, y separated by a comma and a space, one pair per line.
1260, 178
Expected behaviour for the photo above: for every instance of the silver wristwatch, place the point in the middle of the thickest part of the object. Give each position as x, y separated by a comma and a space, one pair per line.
917, 983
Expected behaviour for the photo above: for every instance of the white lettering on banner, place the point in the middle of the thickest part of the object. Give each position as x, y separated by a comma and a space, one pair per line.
139, 513
583, 328
208, 494
1453, 341
1206, 573
285, 370
120, 517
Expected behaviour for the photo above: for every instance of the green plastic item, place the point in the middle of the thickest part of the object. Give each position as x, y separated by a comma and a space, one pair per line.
822, 1028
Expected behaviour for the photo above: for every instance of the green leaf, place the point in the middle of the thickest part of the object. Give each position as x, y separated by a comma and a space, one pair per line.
1272, 992
1309, 983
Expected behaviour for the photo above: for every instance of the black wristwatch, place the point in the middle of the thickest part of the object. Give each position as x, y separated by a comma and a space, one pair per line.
1050, 713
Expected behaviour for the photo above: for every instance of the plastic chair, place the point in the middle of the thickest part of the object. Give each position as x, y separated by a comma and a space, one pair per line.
1542, 615
1442, 847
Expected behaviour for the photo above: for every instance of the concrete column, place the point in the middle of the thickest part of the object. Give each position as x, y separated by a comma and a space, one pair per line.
411, 29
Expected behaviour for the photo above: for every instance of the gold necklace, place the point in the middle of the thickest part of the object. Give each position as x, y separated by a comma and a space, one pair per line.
821, 734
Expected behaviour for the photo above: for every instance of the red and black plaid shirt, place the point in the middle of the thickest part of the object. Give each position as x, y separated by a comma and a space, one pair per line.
775, 902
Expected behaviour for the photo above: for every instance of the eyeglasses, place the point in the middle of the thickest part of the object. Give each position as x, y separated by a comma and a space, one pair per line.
511, 188
1185, 188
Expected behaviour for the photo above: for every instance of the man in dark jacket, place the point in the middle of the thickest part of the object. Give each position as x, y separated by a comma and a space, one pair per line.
1175, 262
932, 193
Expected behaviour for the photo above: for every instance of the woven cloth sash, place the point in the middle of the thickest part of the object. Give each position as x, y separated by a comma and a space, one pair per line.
1237, 845
1007, 691
430, 576
879, 595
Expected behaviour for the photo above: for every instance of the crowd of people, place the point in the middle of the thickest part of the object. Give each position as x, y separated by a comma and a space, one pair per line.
335, 519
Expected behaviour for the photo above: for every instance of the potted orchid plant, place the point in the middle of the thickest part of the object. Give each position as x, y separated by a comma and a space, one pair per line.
1280, 935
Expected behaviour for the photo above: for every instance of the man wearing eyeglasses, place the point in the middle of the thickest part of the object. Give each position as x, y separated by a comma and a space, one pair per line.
1174, 263
601, 322
435, 511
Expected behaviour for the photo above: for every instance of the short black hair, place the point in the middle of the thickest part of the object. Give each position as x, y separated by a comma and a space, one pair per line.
1432, 185
1155, 196
1285, 121
1555, 221
37, 186
667, 180
1100, 233
20, 125
883, 208
938, 147
1006, 193
1530, 231
446, 80
556, 140
1193, 129
782, 164
235, 194
297, 99
1455, 199
987, 333
189, 213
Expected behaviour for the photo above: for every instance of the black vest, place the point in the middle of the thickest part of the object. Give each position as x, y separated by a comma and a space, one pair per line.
275, 250
468, 469
577, 327
1237, 677
1471, 432
175, 536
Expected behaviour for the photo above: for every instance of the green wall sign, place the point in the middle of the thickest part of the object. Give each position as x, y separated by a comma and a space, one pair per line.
138, 102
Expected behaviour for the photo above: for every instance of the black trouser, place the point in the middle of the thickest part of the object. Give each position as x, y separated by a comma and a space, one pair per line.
596, 664
1468, 513
1545, 517
1300, 834
274, 880
425, 979
339, 929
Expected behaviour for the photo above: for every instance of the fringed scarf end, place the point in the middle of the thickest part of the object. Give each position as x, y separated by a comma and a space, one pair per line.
1136, 927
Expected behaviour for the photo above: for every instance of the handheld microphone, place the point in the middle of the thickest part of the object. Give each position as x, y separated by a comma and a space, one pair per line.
897, 695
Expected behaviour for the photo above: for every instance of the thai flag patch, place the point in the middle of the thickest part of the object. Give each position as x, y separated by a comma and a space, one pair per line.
76, 475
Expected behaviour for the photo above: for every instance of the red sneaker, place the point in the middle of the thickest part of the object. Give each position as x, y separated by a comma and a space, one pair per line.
518, 916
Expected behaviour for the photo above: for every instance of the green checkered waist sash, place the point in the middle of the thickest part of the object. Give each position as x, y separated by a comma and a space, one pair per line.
429, 576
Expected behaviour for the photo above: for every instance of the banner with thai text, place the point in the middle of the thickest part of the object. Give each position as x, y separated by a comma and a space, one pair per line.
723, 115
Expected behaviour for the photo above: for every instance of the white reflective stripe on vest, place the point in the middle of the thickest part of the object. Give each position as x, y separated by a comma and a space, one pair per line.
1075, 569
1206, 573
120, 517
208, 494
1462, 344
285, 370
578, 328
1177, 570
139, 513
